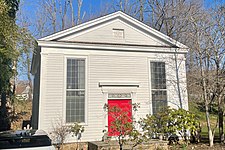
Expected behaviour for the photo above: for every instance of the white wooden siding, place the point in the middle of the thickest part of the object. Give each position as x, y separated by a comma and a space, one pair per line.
113, 66
51, 90
104, 34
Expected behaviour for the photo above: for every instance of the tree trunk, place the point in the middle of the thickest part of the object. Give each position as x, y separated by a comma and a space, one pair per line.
63, 11
4, 119
72, 12
54, 15
120, 142
141, 11
13, 87
220, 101
220, 115
121, 147
210, 134
210, 137
29, 78
79, 5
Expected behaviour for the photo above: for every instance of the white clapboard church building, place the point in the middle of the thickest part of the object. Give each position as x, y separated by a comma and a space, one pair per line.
111, 59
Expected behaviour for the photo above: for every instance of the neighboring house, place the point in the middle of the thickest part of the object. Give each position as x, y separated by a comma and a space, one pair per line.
22, 90
112, 59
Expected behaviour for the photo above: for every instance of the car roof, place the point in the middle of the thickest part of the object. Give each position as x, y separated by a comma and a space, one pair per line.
22, 134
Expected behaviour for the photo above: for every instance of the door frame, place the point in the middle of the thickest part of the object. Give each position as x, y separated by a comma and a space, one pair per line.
108, 88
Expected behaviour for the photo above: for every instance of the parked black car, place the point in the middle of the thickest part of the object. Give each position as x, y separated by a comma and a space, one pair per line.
26, 140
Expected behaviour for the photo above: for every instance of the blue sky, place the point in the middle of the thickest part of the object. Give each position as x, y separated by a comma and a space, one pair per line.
94, 5
29, 9
88, 5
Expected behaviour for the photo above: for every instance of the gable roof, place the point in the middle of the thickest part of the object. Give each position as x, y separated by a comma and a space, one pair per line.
117, 15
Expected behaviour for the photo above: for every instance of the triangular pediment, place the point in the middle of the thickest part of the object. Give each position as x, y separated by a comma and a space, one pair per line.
116, 28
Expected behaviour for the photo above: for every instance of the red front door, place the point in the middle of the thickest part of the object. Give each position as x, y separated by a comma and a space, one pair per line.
118, 110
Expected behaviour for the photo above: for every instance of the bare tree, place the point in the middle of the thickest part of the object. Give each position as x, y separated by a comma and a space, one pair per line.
72, 12
129, 7
46, 19
50, 6
141, 10
205, 53
60, 131
53, 15
215, 37
79, 5
41, 24
63, 12
27, 45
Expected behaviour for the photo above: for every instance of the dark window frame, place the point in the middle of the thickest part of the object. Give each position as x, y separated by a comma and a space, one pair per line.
75, 90
158, 86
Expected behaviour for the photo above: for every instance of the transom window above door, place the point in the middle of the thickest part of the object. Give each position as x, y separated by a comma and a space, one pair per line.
119, 95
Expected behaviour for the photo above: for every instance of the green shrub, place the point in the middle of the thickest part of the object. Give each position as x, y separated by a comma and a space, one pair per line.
155, 124
170, 121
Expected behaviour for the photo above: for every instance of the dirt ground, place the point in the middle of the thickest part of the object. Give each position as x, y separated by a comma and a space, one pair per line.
23, 111
199, 146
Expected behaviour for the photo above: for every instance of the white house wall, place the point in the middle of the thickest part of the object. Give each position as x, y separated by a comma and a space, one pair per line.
173, 98
102, 66
51, 100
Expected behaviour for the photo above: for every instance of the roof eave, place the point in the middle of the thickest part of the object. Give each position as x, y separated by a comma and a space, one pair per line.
112, 47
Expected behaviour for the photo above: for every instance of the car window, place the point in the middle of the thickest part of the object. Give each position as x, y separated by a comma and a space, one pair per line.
23, 142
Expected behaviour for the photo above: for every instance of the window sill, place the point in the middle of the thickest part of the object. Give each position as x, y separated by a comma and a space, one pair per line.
82, 123
119, 83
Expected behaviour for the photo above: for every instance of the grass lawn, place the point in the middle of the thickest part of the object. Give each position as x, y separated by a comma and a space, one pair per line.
198, 109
